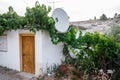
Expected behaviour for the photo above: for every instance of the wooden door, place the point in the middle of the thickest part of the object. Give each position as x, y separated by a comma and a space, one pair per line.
27, 53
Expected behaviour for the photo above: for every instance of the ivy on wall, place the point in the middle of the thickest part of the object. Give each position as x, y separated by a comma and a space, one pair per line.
10, 21
35, 19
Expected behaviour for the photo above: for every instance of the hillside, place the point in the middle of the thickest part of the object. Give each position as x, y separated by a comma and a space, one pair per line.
96, 25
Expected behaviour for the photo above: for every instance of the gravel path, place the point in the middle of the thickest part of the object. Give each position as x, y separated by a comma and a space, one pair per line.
9, 74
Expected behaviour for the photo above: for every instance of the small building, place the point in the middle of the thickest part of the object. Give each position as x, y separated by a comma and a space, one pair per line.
28, 52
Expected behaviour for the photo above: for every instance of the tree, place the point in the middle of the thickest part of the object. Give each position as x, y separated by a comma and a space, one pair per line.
115, 15
103, 17
118, 16
94, 17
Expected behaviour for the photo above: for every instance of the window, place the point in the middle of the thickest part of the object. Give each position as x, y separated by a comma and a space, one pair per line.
3, 43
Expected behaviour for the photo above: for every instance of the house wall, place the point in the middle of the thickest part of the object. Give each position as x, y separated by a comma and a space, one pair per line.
52, 54
45, 52
10, 58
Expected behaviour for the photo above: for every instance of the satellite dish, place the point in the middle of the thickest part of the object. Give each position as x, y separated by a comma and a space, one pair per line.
61, 20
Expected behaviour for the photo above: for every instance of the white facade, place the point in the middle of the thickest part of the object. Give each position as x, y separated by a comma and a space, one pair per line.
46, 53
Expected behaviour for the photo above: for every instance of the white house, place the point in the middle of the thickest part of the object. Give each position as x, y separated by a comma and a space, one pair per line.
25, 51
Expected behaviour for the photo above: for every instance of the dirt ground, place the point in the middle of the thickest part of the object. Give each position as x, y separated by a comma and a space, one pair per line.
9, 74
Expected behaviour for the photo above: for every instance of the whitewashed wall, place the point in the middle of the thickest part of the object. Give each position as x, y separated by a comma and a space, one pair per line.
11, 57
52, 54
46, 54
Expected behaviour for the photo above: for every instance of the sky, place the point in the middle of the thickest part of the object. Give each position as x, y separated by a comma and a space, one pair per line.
77, 10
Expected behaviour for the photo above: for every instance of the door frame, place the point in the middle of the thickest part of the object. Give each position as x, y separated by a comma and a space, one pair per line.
20, 47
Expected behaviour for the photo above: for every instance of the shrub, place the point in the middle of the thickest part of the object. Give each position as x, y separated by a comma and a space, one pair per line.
97, 51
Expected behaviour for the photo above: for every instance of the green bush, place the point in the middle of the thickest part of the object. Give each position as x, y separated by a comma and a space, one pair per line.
97, 52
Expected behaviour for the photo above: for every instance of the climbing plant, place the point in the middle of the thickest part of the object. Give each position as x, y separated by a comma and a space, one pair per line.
11, 21
35, 19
